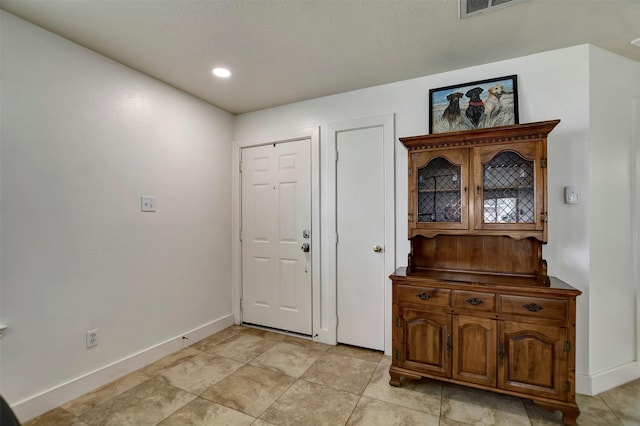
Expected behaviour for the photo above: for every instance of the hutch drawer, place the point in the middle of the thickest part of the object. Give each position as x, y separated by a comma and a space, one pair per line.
538, 307
425, 296
474, 301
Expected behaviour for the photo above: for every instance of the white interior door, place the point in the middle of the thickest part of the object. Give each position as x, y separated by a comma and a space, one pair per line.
360, 223
276, 222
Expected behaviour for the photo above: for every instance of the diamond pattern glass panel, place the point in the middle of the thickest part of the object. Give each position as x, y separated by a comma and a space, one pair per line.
439, 192
508, 190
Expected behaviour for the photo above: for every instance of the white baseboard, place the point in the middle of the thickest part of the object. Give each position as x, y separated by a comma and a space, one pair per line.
606, 380
58, 395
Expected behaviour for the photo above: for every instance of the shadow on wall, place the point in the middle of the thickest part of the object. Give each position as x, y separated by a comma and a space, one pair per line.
7, 417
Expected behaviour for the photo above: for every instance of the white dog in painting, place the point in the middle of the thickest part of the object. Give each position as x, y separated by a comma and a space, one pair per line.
492, 104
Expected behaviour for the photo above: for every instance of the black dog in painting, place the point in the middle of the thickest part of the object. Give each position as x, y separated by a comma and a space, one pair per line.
452, 112
475, 110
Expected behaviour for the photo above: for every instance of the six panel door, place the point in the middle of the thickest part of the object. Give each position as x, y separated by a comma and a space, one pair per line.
276, 223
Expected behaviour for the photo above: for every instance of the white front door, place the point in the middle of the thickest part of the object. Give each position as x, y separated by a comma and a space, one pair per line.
276, 223
360, 223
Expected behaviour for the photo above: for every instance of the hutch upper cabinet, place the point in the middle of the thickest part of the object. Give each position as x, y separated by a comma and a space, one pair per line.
478, 203
481, 181
475, 305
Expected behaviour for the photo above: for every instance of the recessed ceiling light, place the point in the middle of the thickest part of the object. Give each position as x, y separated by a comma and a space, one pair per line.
636, 42
221, 72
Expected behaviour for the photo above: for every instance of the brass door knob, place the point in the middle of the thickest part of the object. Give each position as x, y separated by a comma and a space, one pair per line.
377, 249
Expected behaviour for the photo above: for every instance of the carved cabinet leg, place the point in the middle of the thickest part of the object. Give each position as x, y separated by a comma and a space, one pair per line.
569, 413
396, 375
395, 378
570, 416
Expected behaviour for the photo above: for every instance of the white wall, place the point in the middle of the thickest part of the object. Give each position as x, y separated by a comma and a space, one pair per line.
82, 139
614, 83
551, 85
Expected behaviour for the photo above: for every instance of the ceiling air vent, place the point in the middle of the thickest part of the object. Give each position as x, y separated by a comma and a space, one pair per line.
475, 7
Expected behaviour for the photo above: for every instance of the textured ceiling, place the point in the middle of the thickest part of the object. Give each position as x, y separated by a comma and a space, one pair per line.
285, 51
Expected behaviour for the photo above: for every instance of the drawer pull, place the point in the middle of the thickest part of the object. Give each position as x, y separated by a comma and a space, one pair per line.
532, 307
474, 301
424, 296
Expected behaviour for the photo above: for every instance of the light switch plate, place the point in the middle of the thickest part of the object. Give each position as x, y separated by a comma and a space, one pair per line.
571, 195
147, 204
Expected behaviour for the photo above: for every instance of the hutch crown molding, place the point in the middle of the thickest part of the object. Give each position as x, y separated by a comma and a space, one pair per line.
475, 305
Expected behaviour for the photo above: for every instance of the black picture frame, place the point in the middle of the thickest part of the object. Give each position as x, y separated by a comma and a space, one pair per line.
466, 106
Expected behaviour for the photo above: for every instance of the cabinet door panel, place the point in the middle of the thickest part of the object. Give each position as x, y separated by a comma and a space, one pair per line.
532, 359
438, 189
474, 348
509, 187
427, 341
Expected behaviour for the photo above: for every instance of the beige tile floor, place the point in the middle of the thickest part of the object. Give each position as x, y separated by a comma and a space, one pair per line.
245, 376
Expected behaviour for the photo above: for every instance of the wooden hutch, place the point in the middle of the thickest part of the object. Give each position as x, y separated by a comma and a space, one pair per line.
475, 306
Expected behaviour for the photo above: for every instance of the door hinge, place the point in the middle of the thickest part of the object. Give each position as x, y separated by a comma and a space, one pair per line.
241, 304
398, 323
543, 163
566, 387
240, 234
567, 346
410, 172
544, 217
398, 355
336, 155
240, 166
410, 217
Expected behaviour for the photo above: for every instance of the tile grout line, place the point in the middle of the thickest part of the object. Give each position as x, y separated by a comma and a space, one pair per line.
611, 409
353, 409
363, 391
381, 363
278, 398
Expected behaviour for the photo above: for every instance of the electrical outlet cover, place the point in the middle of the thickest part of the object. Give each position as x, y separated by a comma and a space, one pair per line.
147, 204
92, 338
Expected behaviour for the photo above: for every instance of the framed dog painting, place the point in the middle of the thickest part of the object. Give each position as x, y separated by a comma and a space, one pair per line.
474, 105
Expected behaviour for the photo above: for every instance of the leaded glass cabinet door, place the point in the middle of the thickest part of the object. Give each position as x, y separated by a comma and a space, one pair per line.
438, 190
509, 189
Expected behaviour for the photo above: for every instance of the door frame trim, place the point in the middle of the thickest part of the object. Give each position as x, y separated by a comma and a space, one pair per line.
328, 315
635, 214
313, 134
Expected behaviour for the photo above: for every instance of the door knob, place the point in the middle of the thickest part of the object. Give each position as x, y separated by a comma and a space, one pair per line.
305, 247
377, 249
